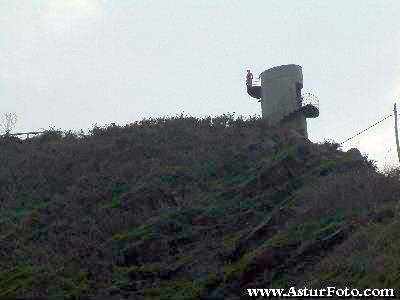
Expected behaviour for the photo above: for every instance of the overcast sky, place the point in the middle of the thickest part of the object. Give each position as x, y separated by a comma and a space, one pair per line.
71, 64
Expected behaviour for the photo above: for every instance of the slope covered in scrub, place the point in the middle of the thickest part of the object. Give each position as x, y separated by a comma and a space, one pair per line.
186, 208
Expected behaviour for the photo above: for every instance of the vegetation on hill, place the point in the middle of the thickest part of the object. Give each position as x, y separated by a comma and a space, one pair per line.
186, 208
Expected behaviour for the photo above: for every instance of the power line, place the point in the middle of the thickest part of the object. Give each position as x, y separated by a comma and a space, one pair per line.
366, 129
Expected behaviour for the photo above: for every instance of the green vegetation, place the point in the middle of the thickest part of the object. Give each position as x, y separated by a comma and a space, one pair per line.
187, 208
20, 279
117, 192
23, 206
183, 289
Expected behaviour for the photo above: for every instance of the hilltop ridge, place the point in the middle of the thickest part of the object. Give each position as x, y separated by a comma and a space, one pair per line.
186, 208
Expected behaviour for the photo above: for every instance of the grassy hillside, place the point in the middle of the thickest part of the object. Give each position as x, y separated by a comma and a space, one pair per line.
187, 208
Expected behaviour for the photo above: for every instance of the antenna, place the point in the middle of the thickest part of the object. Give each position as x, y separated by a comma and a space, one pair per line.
396, 132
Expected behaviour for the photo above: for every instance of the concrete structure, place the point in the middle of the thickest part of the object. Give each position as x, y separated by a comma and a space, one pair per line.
281, 99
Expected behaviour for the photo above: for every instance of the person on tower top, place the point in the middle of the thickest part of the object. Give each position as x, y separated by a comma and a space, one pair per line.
249, 78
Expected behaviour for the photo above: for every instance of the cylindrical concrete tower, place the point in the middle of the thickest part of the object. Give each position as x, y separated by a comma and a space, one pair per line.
281, 99
280, 90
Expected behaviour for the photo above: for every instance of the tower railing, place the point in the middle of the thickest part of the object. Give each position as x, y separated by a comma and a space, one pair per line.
254, 88
256, 82
309, 99
309, 105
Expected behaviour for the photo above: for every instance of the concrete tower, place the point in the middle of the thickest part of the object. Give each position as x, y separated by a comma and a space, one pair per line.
282, 102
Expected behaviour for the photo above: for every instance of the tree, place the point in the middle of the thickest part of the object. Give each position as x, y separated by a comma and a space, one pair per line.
7, 122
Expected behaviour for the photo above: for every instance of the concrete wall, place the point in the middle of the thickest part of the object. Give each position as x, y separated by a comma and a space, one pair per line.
280, 91
298, 122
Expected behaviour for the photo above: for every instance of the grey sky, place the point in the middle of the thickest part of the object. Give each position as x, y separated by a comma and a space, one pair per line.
71, 64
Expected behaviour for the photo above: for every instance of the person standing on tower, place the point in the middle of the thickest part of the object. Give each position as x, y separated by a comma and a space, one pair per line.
249, 78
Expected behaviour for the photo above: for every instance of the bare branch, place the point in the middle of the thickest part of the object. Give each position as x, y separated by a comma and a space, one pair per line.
7, 122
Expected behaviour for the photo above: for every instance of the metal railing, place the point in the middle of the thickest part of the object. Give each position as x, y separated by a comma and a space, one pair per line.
309, 99
254, 82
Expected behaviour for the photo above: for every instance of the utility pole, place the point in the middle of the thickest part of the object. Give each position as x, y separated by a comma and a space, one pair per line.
396, 131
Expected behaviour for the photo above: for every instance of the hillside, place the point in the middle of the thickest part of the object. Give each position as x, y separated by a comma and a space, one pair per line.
186, 208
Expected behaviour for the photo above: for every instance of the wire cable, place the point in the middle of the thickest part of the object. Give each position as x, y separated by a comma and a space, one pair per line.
366, 129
